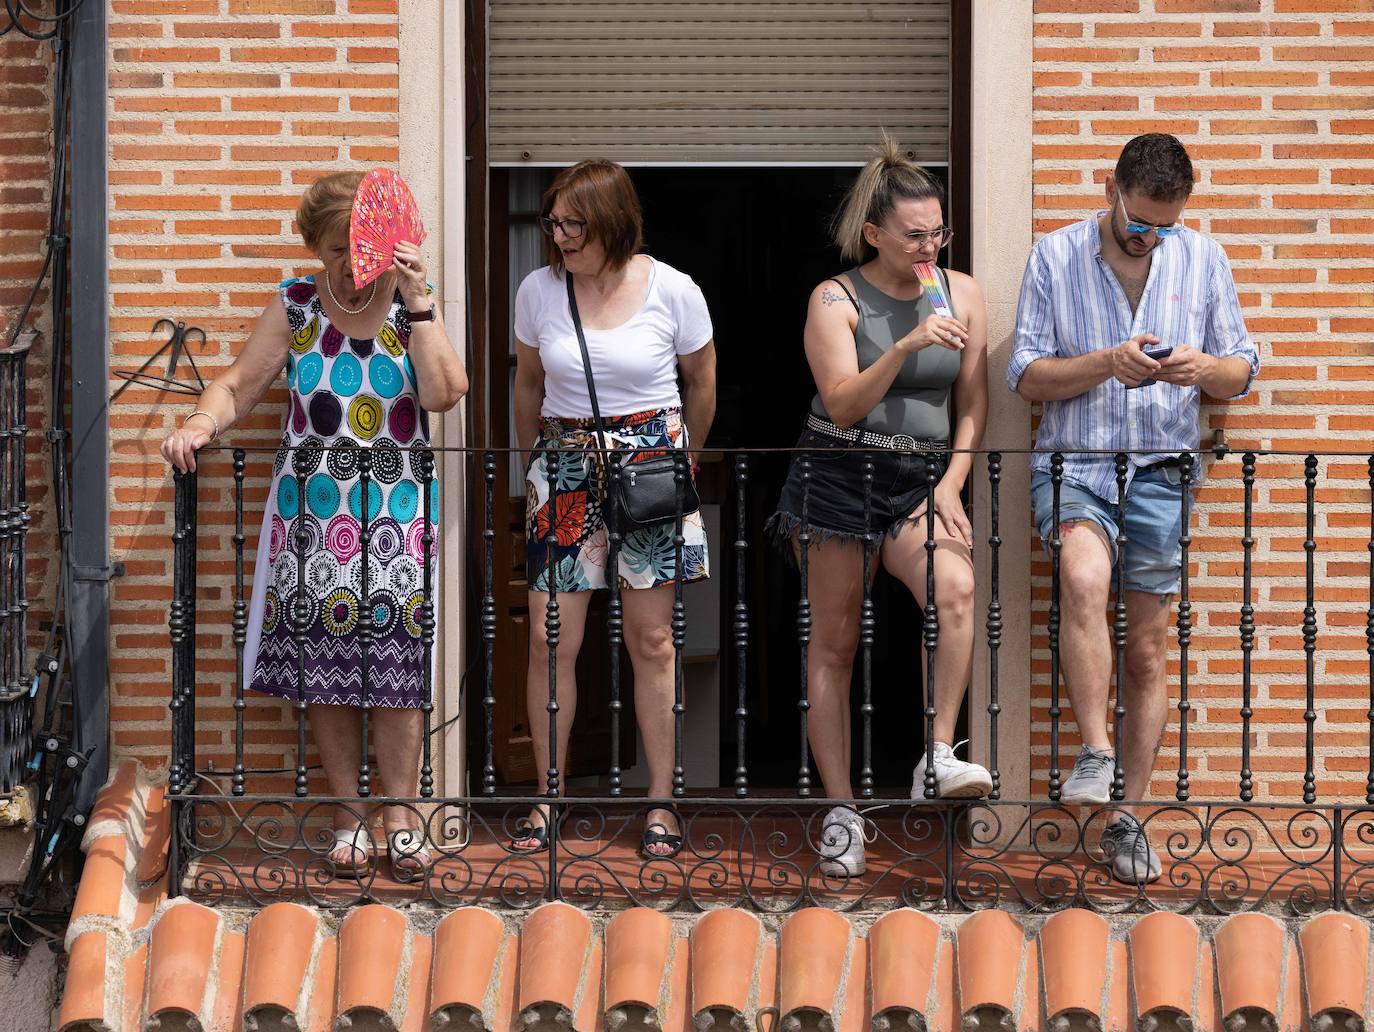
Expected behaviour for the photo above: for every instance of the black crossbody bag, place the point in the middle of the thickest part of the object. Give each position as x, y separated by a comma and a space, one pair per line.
645, 495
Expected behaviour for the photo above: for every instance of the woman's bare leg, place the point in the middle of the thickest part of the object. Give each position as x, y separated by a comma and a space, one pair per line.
649, 640
905, 558
337, 732
835, 590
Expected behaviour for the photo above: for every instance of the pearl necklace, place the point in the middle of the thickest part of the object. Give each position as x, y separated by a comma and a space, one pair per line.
329, 288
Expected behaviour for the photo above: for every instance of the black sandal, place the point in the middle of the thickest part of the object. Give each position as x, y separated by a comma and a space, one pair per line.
526, 830
655, 834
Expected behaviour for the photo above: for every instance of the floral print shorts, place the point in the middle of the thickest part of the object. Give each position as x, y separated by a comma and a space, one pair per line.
577, 517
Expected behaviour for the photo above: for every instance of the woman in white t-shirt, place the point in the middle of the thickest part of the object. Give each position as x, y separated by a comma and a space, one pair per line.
644, 323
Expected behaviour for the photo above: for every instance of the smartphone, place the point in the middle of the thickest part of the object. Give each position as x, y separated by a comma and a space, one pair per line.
1159, 353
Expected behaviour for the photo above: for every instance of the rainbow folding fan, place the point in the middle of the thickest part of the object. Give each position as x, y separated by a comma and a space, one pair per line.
384, 214
930, 281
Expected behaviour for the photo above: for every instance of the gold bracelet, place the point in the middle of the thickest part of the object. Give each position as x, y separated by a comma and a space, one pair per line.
207, 415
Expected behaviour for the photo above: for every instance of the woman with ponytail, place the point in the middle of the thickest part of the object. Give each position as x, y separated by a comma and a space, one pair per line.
901, 380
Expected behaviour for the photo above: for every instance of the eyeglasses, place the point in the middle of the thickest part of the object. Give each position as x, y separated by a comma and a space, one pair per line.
1141, 228
572, 228
912, 241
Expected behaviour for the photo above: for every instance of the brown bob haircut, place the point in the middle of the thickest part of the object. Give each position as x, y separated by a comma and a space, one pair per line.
326, 206
601, 192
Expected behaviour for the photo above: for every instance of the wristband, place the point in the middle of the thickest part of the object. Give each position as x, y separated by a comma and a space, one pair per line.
214, 422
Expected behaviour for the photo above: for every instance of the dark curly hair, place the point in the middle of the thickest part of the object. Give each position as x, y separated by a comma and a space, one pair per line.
1156, 165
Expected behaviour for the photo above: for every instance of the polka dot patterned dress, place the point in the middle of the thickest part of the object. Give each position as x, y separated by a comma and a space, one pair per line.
346, 394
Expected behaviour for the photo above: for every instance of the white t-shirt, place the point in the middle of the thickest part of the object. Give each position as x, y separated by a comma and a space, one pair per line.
634, 365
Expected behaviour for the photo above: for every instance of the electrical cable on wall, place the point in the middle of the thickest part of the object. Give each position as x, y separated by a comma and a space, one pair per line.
57, 757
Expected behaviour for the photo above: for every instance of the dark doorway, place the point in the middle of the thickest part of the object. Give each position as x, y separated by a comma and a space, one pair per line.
756, 241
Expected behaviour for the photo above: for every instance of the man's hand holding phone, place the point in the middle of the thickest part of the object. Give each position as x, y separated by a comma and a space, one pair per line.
1185, 366
1133, 363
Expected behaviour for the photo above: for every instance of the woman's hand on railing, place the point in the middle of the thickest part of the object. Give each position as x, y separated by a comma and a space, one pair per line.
182, 444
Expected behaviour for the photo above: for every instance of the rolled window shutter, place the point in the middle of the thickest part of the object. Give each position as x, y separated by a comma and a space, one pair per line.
716, 83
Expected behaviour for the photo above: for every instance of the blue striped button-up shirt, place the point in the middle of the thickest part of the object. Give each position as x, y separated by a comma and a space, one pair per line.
1072, 303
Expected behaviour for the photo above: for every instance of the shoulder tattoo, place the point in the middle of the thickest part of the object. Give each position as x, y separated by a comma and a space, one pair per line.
829, 296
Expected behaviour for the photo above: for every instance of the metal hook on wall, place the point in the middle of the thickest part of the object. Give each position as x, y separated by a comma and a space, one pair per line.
177, 342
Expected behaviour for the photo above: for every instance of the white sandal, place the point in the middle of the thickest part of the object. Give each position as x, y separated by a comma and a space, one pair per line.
358, 840
409, 857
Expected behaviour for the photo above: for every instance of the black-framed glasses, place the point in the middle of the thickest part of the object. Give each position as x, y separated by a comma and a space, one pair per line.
572, 228
938, 237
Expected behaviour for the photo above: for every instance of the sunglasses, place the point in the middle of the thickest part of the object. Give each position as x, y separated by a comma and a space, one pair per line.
1141, 228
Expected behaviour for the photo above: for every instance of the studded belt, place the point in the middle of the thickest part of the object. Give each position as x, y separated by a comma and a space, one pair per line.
858, 438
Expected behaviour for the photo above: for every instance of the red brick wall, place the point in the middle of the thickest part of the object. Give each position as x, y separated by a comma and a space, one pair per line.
221, 112
1273, 99
25, 194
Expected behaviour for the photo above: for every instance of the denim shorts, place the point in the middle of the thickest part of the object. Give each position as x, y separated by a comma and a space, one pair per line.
835, 503
1154, 519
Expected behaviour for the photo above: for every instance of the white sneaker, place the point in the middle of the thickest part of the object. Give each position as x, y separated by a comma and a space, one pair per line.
842, 842
954, 778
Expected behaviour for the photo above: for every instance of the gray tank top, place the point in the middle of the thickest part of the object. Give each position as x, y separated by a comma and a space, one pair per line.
917, 403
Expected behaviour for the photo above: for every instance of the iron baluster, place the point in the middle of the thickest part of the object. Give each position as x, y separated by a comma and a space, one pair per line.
179, 622
615, 612
1056, 545
9, 471
551, 629
994, 624
679, 622
741, 625
804, 622
21, 491
1185, 623
489, 625
300, 622
1309, 631
1120, 629
240, 625
867, 626
930, 631
427, 622
1247, 623
1369, 638
365, 612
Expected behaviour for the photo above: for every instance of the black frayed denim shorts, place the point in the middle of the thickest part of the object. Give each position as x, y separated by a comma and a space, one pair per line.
835, 502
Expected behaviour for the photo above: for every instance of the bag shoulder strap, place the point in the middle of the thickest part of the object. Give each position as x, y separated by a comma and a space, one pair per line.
586, 364
840, 283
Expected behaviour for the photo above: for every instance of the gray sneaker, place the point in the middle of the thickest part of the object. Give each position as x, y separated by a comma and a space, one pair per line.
1126, 849
1091, 779
842, 843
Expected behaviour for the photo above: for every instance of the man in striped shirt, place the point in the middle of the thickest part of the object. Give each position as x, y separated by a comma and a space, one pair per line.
1124, 320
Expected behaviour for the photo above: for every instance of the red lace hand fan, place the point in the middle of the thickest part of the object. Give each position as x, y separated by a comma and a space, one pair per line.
384, 214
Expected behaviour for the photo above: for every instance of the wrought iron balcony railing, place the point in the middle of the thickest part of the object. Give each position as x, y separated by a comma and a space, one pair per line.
1235, 849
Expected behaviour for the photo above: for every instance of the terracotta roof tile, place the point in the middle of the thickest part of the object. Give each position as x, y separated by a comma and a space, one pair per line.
990, 948
815, 963
472, 952
181, 960
281, 945
374, 963
1335, 962
725, 963
903, 952
560, 968
639, 947
1074, 953
133, 961
1250, 954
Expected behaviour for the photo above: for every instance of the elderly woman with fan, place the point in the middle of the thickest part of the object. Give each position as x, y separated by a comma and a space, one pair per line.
366, 359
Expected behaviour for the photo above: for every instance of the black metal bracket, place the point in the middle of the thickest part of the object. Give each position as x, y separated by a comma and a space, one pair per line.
177, 342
